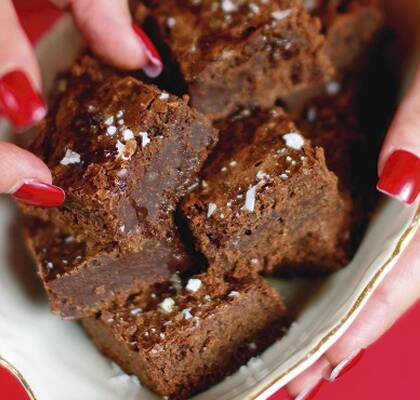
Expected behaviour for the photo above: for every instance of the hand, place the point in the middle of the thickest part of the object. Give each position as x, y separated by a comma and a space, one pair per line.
107, 28
399, 171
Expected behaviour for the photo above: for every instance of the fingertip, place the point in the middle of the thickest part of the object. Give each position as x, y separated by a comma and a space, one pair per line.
110, 33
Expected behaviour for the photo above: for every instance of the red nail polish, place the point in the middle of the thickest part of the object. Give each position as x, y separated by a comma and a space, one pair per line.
155, 65
312, 393
40, 194
400, 177
19, 101
346, 365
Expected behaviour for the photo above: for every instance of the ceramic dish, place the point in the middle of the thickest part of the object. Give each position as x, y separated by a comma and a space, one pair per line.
55, 359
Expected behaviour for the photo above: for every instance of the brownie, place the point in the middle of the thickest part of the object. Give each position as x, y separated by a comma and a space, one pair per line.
334, 123
181, 338
233, 54
124, 151
351, 28
80, 279
265, 191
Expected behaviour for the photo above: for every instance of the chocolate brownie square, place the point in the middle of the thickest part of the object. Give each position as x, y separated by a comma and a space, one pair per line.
235, 54
334, 123
80, 278
182, 337
265, 191
351, 28
124, 151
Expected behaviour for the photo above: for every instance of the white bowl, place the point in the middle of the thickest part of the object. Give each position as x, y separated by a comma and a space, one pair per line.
55, 359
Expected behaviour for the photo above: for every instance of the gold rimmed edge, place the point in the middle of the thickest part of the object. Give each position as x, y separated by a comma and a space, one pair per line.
414, 224
15, 372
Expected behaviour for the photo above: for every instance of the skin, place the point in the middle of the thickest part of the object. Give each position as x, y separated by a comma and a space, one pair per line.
105, 24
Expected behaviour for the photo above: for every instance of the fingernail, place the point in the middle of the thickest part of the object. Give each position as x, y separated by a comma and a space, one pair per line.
155, 65
19, 101
310, 394
40, 194
400, 177
346, 365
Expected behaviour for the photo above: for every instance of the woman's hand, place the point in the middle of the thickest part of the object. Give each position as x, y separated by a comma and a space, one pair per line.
399, 171
107, 28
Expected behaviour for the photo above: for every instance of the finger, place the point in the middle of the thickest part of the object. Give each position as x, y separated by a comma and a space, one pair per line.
399, 162
309, 379
27, 178
20, 79
397, 293
107, 27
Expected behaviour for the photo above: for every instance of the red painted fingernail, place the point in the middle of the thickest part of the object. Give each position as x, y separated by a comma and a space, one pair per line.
346, 365
19, 101
311, 393
400, 177
40, 194
155, 65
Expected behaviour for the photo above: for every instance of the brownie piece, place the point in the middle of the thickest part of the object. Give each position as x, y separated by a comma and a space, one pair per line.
333, 123
181, 339
81, 279
351, 28
235, 54
125, 152
265, 191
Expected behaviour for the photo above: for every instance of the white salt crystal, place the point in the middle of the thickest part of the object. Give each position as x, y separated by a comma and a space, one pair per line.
294, 140
211, 209
193, 285
127, 134
167, 305
144, 139
71, 157
250, 199
111, 130
281, 14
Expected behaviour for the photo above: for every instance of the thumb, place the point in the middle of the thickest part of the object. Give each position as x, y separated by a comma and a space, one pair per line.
399, 162
27, 178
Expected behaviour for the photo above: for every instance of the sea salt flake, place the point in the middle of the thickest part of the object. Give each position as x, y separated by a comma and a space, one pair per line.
233, 163
284, 176
186, 313
250, 199
167, 305
233, 293
50, 265
252, 346
206, 297
281, 14
144, 139
254, 8
211, 209
162, 335
224, 169
111, 130
135, 311
254, 261
127, 134
171, 22
294, 140
120, 113
262, 175
193, 285
311, 114
164, 96
109, 121
332, 88
70, 157
228, 6
121, 148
